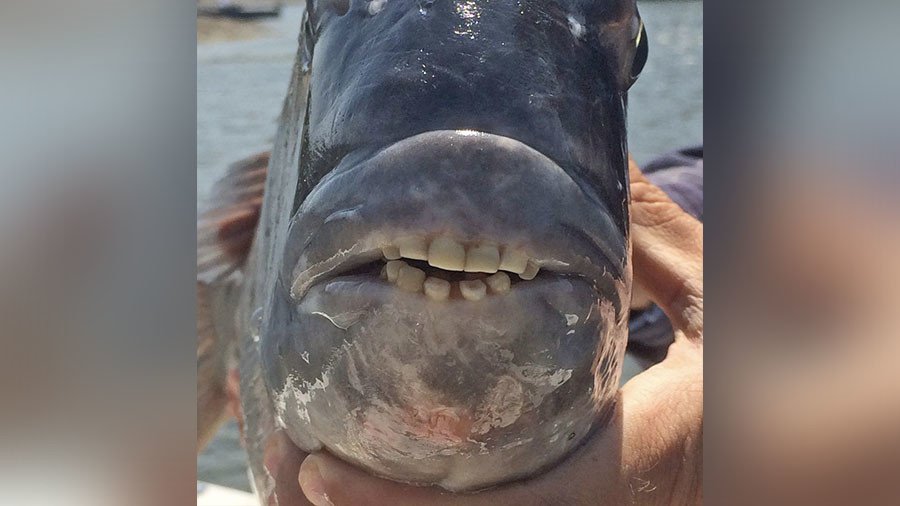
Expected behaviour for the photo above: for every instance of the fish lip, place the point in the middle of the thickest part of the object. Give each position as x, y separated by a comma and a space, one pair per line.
369, 249
303, 281
578, 249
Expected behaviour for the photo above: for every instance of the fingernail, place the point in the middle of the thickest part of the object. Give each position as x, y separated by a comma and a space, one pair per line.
312, 484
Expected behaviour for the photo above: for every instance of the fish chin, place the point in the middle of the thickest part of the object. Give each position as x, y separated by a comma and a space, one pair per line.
459, 393
451, 313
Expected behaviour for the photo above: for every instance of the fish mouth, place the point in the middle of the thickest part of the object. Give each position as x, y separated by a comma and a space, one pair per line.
442, 269
454, 216
452, 310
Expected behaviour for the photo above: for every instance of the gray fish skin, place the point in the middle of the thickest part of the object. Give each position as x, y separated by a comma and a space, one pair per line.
498, 122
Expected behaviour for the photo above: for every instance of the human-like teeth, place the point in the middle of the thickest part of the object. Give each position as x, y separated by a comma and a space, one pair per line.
437, 289
445, 253
412, 247
498, 283
391, 253
513, 260
531, 271
410, 279
473, 290
483, 258
392, 269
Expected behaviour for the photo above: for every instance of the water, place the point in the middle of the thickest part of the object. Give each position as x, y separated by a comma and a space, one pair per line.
665, 106
240, 86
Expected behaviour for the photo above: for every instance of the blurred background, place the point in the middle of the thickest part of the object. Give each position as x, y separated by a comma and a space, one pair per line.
802, 210
103, 163
243, 67
97, 252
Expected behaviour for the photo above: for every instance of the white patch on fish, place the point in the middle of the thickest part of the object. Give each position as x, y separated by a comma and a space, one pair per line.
342, 321
502, 406
375, 6
301, 396
541, 376
576, 27
518, 442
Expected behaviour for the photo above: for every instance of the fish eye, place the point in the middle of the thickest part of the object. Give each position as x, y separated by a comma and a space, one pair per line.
640, 55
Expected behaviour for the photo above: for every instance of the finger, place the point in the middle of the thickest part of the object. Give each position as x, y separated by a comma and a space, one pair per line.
282, 460
667, 254
327, 481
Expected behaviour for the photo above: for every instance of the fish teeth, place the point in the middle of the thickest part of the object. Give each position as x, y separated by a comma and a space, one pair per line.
450, 255
391, 253
437, 289
484, 258
392, 269
499, 283
412, 247
445, 253
473, 290
513, 260
410, 279
531, 271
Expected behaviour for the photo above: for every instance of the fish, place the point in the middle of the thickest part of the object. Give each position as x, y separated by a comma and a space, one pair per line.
429, 276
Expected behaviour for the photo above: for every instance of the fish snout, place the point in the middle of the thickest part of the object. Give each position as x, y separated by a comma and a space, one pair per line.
460, 202
453, 312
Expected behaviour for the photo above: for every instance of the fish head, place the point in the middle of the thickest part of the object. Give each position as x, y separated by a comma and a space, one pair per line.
452, 296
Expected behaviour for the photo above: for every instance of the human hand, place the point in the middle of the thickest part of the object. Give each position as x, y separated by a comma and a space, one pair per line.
651, 450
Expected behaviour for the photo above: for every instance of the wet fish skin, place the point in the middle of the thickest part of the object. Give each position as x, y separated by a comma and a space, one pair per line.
511, 68
550, 75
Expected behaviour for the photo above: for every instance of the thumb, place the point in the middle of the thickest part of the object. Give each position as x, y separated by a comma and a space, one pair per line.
328, 481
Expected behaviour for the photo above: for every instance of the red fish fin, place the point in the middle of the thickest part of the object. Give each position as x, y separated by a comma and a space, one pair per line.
225, 230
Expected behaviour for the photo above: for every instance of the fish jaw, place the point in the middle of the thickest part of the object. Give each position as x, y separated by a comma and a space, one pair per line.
478, 386
461, 394
474, 189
